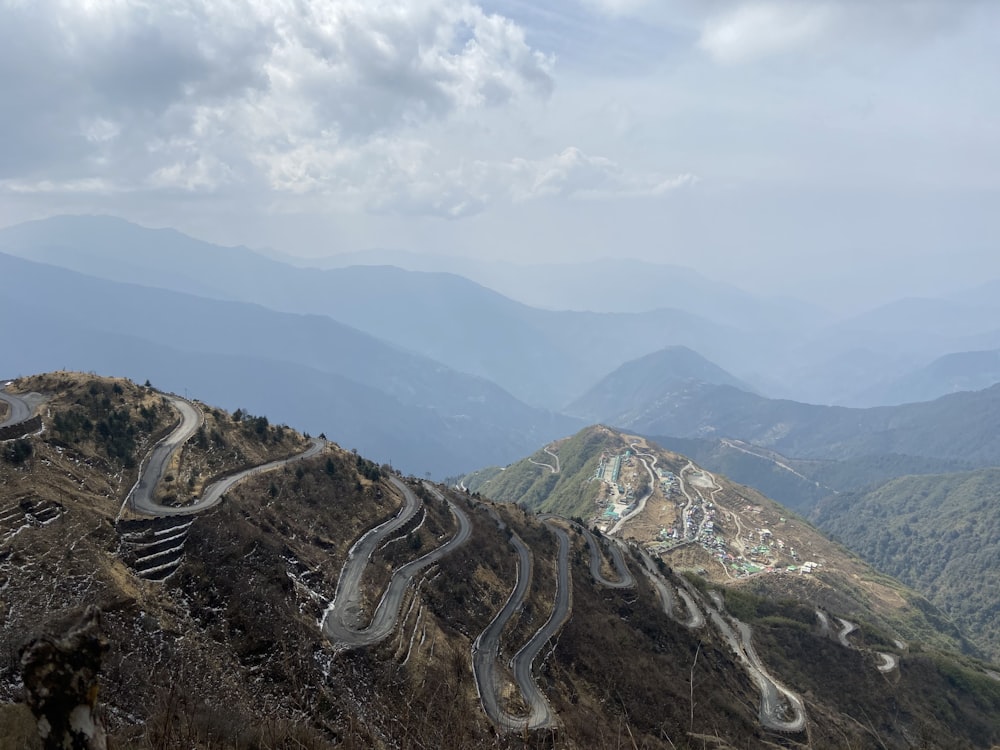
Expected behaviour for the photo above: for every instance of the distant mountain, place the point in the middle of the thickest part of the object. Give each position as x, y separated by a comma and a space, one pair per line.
607, 285
961, 371
323, 375
961, 426
642, 385
985, 295
852, 362
938, 534
801, 484
543, 357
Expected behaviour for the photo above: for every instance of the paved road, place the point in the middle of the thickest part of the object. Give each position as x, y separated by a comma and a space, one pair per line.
214, 493
140, 497
780, 708
550, 467
846, 628
18, 409
641, 504
540, 713
887, 661
668, 601
486, 647
340, 621
625, 579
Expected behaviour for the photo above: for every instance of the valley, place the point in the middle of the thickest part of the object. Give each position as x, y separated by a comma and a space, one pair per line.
464, 375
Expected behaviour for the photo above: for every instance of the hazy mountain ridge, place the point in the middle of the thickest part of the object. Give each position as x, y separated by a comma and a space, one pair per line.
540, 356
959, 426
608, 285
640, 385
543, 356
952, 373
309, 369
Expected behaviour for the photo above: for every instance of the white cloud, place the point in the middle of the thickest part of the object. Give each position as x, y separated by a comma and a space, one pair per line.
195, 95
618, 7
761, 29
472, 187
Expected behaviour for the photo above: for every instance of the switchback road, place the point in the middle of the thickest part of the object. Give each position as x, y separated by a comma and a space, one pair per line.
668, 602
340, 621
18, 410
625, 579
140, 497
486, 647
887, 662
780, 708
540, 713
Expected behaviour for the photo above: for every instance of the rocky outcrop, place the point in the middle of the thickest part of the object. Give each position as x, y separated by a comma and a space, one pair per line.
60, 683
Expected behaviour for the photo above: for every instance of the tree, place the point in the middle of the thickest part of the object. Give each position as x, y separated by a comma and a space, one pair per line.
18, 452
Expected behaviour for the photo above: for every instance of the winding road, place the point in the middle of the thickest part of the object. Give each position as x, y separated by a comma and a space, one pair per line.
140, 497
341, 619
887, 662
540, 713
665, 592
640, 506
625, 579
780, 708
18, 409
554, 469
486, 648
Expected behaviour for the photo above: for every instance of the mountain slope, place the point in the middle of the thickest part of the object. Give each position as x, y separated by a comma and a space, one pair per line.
960, 426
800, 484
642, 385
228, 649
939, 534
394, 404
694, 520
961, 371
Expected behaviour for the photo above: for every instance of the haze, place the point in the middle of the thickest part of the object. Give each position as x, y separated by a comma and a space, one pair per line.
838, 151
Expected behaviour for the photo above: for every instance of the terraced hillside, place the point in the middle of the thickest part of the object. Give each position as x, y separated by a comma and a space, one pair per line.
483, 625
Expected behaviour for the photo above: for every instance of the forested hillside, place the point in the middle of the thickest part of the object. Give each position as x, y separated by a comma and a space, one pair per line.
939, 534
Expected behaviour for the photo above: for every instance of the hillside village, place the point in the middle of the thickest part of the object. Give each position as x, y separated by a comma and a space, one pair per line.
691, 508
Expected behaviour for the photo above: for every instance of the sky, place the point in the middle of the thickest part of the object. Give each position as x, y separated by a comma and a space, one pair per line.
830, 149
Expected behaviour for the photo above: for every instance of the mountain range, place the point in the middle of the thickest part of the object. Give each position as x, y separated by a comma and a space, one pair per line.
310, 370
550, 354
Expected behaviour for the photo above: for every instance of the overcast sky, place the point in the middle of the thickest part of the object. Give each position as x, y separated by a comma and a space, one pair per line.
827, 148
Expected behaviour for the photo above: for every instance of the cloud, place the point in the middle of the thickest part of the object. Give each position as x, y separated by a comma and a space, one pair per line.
741, 31
198, 94
617, 7
761, 29
471, 188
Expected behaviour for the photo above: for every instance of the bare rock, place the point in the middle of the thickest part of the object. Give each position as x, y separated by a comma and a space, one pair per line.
60, 682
